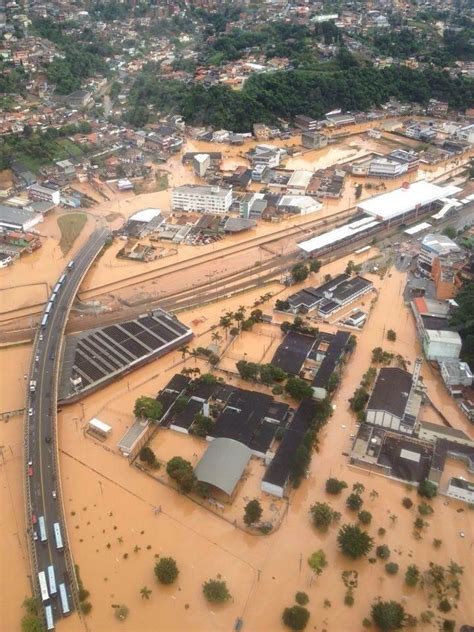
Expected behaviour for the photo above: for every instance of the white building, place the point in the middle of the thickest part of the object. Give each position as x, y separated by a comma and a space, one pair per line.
466, 134
461, 489
201, 198
441, 345
385, 168
456, 375
39, 192
433, 246
298, 182
201, 163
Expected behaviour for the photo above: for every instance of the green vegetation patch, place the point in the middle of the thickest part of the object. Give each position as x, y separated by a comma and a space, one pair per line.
70, 226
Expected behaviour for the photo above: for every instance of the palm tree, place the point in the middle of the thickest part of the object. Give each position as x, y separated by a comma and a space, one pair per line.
145, 592
374, 494
358, 488
195, 354
239, 317
184, 352
216, 337
225, 322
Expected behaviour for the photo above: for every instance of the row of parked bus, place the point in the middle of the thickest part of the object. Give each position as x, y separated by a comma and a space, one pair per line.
49, 589
58, 538
54, 294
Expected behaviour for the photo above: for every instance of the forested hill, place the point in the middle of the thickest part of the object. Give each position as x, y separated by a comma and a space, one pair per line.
267, 97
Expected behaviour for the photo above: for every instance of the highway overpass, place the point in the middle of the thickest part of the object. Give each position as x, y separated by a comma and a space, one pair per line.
42, 483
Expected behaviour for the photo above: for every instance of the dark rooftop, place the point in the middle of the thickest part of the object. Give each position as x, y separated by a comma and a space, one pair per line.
293, 351
178, 383
336, 350
243, 419
279, 469
391, 391
185, 418
408, 459
445, 448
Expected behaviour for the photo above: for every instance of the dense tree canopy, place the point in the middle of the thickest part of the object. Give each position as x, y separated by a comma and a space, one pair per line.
354, 542
268, 97
463, 320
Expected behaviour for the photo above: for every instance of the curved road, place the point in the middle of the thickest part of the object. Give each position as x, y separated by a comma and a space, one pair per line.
42, 484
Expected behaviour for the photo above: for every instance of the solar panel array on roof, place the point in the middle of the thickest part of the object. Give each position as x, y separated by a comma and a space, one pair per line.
105, 352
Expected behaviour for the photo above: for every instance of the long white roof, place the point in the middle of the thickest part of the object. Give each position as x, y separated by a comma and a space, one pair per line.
145, 215
338, 234
389, 205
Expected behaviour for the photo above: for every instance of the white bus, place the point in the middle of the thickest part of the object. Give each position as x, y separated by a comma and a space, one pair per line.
64, 600
52, 581
48, 613
57, 536
48, 307
42, 528
56, 288
44, 321
43, 586
61, 278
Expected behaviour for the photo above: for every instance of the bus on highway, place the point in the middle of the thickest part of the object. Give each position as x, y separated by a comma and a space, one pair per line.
57, 536
48, 613
70, 265
52, 581
43, 586
61, 278
48, 307
44, 321
42, 528
64, 600
57, 288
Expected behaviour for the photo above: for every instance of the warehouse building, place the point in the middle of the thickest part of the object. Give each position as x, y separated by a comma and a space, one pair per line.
223, 465
395, 400
18, 218
407, 202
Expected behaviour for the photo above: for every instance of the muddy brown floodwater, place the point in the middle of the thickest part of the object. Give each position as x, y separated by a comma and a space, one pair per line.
116, 534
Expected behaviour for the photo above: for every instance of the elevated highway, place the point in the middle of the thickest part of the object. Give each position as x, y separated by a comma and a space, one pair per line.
41, 475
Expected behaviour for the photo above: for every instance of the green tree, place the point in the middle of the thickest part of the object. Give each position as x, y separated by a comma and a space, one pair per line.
427, 489
145, 592
315, 265
32, 623
181, 471
247, 370
391, 335
166, 570
388, 615
147, 455
296, 617
391, 568
147, 408
354, 502
301, 598
354, 542
216, 591
323, 516
298, 388
412, 575
317, 562
299, 272
335, 486
450, 232
382, 552
202, 425
365, 517
407, 502
252, 512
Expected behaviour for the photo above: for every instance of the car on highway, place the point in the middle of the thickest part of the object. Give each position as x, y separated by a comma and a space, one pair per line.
41, 336
35, 536
30, 471
34, 519
37, 358
47, 439
30, 411
54, 493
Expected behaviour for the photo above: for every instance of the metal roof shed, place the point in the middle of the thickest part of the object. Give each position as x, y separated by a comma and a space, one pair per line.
223, 464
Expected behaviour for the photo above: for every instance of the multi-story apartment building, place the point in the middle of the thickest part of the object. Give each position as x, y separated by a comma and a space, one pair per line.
201, 198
